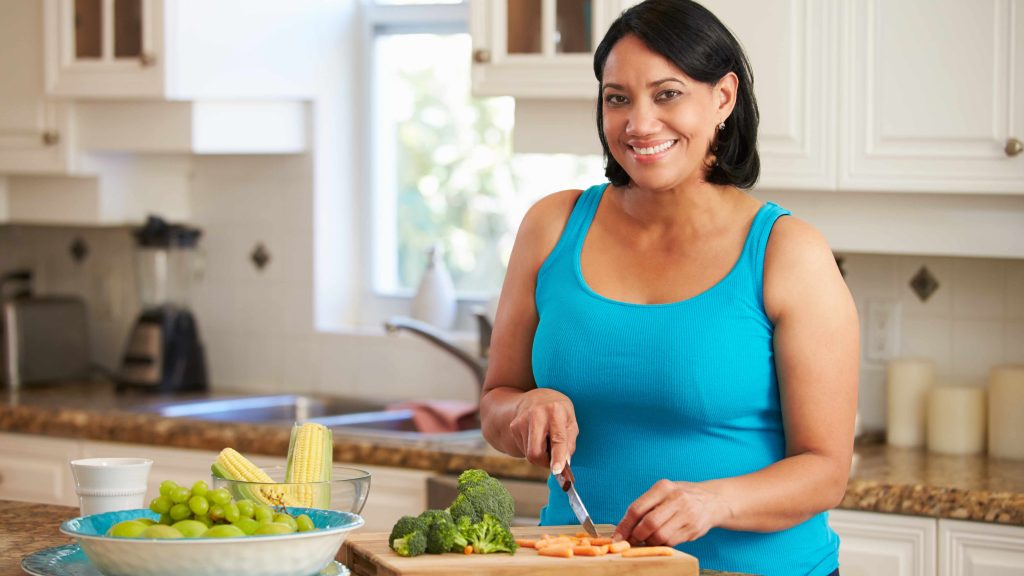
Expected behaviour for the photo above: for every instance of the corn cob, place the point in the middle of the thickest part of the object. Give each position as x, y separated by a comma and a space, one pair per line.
310, 456
232, 465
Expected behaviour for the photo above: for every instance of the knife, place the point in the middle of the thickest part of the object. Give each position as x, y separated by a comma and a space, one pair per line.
567, 482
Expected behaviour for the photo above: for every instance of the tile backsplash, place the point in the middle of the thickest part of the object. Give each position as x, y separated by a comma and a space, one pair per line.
256, 340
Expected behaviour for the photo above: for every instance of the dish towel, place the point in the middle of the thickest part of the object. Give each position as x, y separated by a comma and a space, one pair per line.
432, 416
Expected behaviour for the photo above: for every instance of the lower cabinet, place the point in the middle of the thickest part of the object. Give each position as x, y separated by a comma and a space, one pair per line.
394, 492
36, 469
875, 544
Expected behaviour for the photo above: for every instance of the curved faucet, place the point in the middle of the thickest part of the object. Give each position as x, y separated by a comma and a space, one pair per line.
478, 365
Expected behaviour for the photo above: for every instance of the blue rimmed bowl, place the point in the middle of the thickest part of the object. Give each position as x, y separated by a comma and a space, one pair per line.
296, 554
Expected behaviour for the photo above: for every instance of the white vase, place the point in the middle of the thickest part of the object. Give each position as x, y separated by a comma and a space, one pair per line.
435, 298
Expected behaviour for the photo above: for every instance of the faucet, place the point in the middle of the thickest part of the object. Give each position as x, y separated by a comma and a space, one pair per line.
476, 364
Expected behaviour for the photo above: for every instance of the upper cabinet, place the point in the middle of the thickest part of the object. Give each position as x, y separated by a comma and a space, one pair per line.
538, 48
178, 49
933, 96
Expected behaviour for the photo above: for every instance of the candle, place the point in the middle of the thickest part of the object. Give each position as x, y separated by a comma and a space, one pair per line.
956, 420
907, 381
1006, 412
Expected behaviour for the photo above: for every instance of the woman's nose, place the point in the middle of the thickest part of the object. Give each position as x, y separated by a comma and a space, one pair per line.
642, 120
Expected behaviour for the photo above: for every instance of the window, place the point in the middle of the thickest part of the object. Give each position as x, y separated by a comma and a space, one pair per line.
443, 169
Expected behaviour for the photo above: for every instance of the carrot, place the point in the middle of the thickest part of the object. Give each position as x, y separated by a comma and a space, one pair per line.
526, 543
583, 541
582, 534
467, 550
560, 541
616, 547
600, 541
588, 551
645, 551
604, 548
556, 551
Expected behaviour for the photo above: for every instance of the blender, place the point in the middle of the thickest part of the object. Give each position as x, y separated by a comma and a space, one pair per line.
164, 352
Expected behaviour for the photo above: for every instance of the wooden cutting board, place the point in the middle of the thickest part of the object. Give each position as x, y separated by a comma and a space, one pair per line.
368, 554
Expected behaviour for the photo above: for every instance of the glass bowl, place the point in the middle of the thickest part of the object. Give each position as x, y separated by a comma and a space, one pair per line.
346, 491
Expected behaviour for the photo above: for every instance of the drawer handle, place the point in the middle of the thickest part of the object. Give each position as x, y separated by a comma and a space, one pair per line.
51, 137
147, 59
1014, 147
481, 56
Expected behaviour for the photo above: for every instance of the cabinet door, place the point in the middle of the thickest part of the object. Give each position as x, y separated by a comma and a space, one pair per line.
33, 130
978, 549
793, 57
394, 492
100, 48
538, 48
932, 94
871, 544
36, 469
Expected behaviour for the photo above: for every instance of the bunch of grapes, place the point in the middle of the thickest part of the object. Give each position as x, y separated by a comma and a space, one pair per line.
200, 512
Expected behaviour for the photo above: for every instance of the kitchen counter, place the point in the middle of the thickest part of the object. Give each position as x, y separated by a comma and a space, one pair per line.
884, 478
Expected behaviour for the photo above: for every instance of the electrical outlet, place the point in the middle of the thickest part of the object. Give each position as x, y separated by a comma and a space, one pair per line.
883, 330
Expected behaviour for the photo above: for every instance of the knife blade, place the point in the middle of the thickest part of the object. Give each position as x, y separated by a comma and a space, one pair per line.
567, 482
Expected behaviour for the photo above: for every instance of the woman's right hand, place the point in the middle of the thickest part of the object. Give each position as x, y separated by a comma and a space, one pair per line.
541, 414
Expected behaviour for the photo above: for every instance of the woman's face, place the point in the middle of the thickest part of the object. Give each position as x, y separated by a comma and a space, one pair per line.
659, 123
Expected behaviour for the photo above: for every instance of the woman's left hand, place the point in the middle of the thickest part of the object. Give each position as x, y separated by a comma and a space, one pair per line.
672, 512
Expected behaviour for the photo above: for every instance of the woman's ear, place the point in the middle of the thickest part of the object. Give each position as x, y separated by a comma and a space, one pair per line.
725, 95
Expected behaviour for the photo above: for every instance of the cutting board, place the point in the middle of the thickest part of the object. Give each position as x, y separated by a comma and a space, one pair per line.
368, 554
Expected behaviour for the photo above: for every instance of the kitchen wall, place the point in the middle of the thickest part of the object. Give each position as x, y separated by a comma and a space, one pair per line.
258, 323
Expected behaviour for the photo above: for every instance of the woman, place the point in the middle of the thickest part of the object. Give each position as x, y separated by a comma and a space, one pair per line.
693, 351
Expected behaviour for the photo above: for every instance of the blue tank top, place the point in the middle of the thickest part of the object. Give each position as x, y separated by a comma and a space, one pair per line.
685, 391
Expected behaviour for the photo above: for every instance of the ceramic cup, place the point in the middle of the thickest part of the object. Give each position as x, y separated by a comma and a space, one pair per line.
109, 484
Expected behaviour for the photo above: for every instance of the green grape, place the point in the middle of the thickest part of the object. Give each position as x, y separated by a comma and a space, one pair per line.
180, 494
199, 505
190, 528
160, 531
219, 496
200, 488
166, 486
179, 512
160, 504
205, 520
223, 531
146, 521
127, 529
246, 508
231, 513
248, 525
274, 528
304, 523
166, 519
216, 512
263, 514
282, 518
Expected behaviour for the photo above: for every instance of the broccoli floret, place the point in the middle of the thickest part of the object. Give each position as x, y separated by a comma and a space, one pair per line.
405, 526
442, 533
481, 494
412, 544
489, 536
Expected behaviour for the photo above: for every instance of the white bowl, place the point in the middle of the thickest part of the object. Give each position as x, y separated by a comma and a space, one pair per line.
296, 554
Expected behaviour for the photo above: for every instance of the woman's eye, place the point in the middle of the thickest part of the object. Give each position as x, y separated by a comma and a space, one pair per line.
668, 94
615, 99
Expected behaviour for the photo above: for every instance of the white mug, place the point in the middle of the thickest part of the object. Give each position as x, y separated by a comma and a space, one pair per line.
109, 484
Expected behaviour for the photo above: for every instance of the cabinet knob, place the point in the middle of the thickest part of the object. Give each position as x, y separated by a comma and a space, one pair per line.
481, 56
51, 137
147, 59
1013, 147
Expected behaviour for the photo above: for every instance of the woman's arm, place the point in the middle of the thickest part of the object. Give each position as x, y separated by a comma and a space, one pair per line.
516, 416
817, 358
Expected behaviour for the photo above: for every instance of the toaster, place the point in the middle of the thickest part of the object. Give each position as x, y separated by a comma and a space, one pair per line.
45, 338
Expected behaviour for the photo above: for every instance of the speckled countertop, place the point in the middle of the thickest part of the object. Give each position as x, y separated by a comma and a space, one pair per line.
884, 479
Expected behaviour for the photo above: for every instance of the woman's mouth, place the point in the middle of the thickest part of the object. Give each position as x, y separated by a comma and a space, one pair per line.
651, 153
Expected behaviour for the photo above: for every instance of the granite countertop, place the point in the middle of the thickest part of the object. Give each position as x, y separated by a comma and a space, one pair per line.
884, 478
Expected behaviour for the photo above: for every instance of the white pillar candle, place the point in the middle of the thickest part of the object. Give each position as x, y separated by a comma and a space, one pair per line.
907, 382
956, 420
1006, 412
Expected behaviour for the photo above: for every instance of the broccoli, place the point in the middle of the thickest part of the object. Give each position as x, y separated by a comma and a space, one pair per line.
442, 533
412, 544
481, 494
405, 526
489, 535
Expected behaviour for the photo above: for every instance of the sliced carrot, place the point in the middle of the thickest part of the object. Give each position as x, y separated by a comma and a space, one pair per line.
467, 550
588, 551
616, 547
583, 541
526, 543
600, 541
582, 534
604, 548
648, 551
560, 541
556, 551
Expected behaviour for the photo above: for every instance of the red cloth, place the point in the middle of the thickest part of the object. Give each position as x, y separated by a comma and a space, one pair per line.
432, 416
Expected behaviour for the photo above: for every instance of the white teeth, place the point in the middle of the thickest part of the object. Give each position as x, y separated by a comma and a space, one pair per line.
655, 149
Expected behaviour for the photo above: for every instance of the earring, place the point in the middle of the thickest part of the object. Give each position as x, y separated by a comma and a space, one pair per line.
721, 125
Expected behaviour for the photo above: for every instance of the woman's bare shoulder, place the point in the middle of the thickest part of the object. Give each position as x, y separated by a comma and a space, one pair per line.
798, 259
544, 222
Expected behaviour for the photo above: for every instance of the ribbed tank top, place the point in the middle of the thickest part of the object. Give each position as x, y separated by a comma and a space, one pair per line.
685, 391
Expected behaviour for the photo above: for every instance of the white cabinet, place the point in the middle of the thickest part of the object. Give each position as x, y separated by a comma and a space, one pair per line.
872, 544
394, 492
932, 96
181, 49
978, 549
36, 469
538, 48
34, 131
